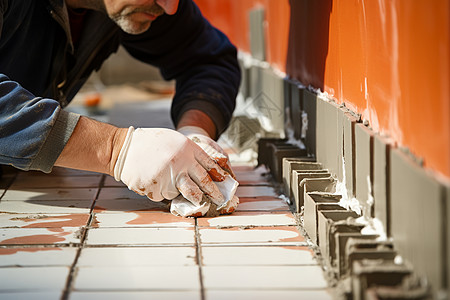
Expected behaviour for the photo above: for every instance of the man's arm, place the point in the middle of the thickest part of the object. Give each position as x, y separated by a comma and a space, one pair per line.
198, 118
35, 134
33, 130
93, 146
158, 163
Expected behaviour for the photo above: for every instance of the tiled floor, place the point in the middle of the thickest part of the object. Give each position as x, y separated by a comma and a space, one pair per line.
80, 235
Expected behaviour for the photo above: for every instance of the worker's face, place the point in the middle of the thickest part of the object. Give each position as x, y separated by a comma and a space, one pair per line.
136, 16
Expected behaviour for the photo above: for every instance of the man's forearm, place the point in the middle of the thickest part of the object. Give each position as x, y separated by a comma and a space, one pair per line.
93, 146
198, 118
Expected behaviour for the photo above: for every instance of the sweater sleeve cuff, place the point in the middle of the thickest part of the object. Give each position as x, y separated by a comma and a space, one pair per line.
208, 108
56, 141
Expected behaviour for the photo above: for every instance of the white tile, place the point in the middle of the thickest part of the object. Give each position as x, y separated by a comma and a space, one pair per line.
43, 220
142, 278
142, 219
257, 256
34, 256
255, 191
141, 236
132, 295
250, 219
29, 182
137, 256
46, 207
267, 277
50, 194
31, 295
36, 279
258, 235
39, 236
268, 295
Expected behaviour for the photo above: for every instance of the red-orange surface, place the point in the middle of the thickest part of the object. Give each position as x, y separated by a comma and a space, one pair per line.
386, 59
231, 16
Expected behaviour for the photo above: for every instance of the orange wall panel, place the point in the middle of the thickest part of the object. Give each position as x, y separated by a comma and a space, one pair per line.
424, 80
388, 60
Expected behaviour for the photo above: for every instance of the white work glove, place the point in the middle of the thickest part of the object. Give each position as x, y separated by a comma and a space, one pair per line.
201, 138
227, 187
162, 163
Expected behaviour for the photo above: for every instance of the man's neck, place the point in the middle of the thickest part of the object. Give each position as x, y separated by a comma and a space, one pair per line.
87, 4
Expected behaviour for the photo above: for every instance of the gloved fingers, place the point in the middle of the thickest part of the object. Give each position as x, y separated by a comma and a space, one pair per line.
145, 190
170, 194
204, 141
209, 146
205, 183
214, 170
224, 163
168, 189
219, 149
150, 194
220, 157
189, 189
227, 188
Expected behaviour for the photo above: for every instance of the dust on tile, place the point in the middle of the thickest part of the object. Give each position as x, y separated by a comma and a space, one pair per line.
43, 220
39, 236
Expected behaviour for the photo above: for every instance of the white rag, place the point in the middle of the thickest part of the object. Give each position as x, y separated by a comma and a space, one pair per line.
182, 207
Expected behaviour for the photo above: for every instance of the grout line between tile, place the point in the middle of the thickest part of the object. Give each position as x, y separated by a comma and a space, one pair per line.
69, 281
99, 188
171, 245
199, 259
250, 244
72, 272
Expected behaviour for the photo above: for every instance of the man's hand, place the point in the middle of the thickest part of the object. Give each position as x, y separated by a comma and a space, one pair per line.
227, 187
161, 163
201, 138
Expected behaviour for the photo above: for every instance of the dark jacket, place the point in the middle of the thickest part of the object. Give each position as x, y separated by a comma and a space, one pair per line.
41, 71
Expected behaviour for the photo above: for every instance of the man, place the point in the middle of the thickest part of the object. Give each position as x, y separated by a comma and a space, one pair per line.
49, 48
